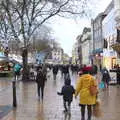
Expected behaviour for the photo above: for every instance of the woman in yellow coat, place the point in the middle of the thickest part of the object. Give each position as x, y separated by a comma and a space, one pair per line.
83, 90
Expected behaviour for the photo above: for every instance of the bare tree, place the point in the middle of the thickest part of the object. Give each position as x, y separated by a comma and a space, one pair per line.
24, 17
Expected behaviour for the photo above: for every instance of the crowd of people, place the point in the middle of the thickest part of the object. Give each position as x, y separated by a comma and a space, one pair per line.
86, 80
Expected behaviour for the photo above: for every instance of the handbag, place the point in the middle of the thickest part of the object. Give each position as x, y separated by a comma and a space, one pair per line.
93, 90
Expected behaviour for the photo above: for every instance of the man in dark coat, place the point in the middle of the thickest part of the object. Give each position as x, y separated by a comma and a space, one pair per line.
105, 77
40, 79
67, 92
55, 71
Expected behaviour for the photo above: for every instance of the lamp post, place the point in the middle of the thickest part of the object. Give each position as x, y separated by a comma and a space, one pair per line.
14, 93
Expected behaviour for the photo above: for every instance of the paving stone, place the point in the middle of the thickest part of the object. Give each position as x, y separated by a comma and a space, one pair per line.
30, 108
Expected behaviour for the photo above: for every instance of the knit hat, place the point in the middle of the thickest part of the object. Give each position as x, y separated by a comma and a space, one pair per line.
87, 69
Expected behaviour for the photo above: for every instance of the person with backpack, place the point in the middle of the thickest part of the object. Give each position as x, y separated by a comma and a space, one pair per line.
40, 80
67, 93
105, 77
17, 68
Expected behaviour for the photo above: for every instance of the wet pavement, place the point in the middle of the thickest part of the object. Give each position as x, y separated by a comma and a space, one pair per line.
30, 108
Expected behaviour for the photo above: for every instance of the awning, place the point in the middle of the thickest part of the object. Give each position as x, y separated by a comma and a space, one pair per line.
116, 47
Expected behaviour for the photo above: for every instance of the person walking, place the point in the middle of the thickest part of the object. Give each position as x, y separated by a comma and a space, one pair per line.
67, 93
83, 86
40, 80
55, 71
66, 71
105, 77
17, 68
32, 72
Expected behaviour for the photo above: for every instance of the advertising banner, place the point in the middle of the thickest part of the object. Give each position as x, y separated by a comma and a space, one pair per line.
40, 57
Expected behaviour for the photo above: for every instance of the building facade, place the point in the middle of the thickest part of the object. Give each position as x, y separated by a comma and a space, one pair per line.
79, 48
85, 39
97, 40
116, 46
109, 35
75, 53
84, 46
57, 56
117, 13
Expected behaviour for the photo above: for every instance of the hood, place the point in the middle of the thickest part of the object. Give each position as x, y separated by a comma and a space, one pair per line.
86, 76
67, 82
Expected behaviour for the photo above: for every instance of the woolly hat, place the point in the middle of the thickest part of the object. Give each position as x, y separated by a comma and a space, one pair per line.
87, 69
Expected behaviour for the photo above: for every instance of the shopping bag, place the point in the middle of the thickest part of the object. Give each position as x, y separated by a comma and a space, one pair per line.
101, 85
97, 112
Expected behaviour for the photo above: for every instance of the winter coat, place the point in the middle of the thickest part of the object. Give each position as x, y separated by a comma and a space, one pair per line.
67, 91
66, 69
55, 69
40, 78
83, 88
105, 76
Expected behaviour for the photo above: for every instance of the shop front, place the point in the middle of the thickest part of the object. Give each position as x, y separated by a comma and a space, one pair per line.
116, 47
98, 57
109, 59
109, 62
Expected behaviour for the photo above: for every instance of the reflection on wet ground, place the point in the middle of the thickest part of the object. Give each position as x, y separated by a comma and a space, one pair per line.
30, 108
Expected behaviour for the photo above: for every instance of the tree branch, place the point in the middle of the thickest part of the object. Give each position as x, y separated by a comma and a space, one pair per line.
6, 7
51, 15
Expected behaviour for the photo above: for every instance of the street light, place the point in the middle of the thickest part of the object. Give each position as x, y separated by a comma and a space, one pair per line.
14, 93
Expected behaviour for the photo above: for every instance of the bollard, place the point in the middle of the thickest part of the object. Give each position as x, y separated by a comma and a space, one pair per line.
14, 93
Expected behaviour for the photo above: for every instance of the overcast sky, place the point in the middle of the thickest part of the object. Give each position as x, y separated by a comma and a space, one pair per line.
66, 30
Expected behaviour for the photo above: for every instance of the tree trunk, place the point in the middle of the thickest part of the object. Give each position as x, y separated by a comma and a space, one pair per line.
25, 76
